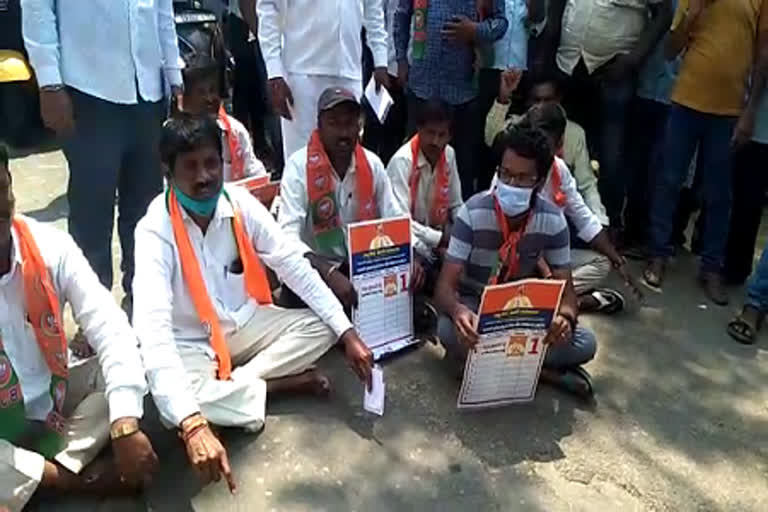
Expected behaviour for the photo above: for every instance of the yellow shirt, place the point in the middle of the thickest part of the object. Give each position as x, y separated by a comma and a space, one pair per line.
719, 56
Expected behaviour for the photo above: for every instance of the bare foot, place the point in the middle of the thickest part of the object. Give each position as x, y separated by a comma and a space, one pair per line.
102, 478
311, 382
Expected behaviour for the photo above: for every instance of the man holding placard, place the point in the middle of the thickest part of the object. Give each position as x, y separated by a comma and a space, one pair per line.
499, 236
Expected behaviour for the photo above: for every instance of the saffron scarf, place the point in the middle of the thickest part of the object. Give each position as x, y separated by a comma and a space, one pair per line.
237, 162
557, 185
44, 315
509, 258
419, 46
256, 282
321, 191
438, 207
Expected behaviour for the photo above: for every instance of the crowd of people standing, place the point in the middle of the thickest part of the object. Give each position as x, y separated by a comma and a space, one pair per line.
528, 138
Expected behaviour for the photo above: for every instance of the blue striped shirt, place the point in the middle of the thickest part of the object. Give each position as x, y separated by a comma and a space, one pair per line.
476, 239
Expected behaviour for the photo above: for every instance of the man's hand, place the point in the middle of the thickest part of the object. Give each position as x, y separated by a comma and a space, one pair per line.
628, 279
177, 99
342, 288
742, 133
402, 73
619, 67
209, 458
460, 29
381, 77
418, 274
56, 111
282, 97
134, 456
508, 82
560, 331
359, 356
464, 320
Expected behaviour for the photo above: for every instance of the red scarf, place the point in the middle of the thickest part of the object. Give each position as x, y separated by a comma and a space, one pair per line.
438, 208
509, 258
557, 185
321, 191
237, 162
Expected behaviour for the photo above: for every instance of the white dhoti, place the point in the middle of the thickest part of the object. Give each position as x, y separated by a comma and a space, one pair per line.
87, 434
275, 343
306, 90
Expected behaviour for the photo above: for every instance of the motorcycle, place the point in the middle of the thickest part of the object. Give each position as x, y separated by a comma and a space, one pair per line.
199, 33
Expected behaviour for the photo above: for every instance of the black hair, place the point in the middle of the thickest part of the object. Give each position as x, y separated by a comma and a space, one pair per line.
547, 77
4, 158
549, 117
527, 141
433, 111
184, 133
200, 67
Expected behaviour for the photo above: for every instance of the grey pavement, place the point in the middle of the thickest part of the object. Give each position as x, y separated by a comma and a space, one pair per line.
680, 423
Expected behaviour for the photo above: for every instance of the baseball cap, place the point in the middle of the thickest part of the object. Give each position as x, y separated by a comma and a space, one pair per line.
333, 96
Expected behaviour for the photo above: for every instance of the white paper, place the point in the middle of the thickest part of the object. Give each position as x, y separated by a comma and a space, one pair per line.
373, 400
380, 101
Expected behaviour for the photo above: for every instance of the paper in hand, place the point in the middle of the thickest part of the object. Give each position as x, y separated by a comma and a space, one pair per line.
380, 101
373, 400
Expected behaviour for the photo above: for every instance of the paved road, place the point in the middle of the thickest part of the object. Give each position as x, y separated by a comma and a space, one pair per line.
681, 423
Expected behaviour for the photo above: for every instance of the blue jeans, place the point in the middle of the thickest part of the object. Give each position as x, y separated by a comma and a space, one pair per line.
757, 288
113, 152
686, 128
580, 350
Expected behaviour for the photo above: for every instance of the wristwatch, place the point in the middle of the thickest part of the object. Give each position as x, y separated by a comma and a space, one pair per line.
53, 88
121, 429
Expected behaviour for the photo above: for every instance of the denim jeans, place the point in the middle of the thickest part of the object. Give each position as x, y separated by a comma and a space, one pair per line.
686, 128
113, 152
757, 289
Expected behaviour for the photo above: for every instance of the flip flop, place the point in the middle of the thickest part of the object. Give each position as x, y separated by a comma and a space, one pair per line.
609, 301
572, 381
652, 278
742, 331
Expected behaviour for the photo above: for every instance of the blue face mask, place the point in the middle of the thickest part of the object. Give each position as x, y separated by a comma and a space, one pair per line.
513, 200
204, 207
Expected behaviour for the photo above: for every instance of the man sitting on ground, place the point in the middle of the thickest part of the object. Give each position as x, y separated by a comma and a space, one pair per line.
499, 236
202, 95
331, 183
594, 254
210, 336
425, 181
53, 420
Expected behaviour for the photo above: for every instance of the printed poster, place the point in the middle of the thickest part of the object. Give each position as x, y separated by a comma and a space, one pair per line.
512, 322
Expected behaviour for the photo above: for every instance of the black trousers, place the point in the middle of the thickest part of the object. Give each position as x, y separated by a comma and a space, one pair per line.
750, 178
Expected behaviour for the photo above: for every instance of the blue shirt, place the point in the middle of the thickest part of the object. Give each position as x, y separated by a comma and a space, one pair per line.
113, 50
760, 133
658, 75
446, 71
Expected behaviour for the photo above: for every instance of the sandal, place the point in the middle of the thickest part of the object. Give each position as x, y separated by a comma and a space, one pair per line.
609, 301
743, 331
653, 275
573, 381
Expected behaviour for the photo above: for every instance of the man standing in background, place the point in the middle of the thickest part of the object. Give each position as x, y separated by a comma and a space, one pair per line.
309, 46
104, 69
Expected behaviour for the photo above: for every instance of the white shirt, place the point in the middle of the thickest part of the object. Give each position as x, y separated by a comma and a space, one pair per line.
598, 30
399, 171
95, 311
163, 311
252, 166
294, 206
104, 48
313, 37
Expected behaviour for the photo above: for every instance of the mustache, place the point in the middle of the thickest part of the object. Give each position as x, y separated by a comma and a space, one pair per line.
208, 186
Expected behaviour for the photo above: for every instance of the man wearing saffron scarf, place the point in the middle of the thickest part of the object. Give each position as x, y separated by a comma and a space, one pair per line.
331, 183
213, 344
202, 96
499, 236
425, 179
54, 421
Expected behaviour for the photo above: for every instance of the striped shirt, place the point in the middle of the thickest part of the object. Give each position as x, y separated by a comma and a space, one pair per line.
476, 239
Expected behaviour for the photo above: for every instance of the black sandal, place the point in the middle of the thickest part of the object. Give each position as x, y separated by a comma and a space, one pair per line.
742, 331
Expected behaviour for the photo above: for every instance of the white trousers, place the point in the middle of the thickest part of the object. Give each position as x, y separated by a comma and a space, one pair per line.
306, 90
589, 270
87, 434
276, 342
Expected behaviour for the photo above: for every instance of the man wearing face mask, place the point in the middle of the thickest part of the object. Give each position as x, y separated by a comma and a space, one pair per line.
212, 342
499, 236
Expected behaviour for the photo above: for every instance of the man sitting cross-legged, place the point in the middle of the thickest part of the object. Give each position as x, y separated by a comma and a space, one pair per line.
499, 236
54, 421
213, 343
